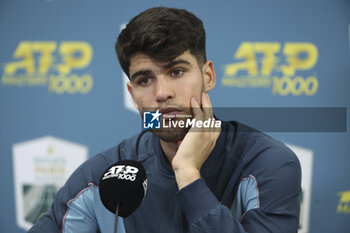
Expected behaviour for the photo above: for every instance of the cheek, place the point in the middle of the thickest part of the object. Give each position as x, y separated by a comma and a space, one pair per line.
143, 100
192, 90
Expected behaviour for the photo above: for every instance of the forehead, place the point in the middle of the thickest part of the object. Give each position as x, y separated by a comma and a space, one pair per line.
142, 61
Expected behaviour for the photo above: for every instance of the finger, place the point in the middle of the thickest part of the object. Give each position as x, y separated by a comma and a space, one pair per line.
207, 109
197, 111
207, 106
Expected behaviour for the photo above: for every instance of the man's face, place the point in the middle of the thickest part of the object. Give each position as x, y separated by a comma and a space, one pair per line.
168, 87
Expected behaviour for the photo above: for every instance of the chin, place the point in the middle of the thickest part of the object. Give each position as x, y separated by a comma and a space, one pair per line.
172, 134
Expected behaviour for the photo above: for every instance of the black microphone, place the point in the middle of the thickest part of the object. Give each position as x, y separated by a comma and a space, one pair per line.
123, 187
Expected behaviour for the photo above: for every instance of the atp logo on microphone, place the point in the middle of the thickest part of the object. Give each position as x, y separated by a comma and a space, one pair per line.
121, 172
151, 120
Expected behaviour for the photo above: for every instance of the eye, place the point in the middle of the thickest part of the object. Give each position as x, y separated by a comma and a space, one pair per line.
144, 81
176, 73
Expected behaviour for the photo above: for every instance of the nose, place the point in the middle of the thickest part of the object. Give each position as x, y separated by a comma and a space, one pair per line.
164, 90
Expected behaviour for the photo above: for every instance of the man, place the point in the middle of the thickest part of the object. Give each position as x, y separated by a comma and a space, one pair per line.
227, 179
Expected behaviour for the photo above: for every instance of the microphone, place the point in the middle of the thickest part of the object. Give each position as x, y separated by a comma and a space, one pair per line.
123, 187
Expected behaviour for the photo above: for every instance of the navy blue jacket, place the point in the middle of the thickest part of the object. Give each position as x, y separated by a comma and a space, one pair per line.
250, 183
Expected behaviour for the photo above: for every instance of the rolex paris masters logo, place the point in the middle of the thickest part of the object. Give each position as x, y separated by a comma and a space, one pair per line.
152, 120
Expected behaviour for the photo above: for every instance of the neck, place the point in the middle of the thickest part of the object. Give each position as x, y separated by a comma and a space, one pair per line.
169, 149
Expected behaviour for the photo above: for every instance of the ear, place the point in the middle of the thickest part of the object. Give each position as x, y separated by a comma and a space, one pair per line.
130, 89
208, 76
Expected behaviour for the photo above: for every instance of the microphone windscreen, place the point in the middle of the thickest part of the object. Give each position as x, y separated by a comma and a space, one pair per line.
125, 183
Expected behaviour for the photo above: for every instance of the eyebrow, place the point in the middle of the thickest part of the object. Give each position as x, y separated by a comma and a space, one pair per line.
165, 67
139, 73
175, 62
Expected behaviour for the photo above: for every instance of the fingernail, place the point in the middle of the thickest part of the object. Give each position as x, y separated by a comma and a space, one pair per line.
192, 101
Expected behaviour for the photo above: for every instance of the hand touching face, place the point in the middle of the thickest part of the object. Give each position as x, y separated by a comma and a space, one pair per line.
169, 87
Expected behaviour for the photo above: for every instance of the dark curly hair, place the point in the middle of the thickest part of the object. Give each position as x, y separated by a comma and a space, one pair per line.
163, 34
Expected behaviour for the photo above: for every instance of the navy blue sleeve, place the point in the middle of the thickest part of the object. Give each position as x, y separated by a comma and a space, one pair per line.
275, 208
204, 212
75, 202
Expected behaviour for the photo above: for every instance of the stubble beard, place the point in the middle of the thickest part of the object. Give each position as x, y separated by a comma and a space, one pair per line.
173, 134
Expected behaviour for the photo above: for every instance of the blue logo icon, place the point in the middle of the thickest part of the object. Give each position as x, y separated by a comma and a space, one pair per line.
151, 120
